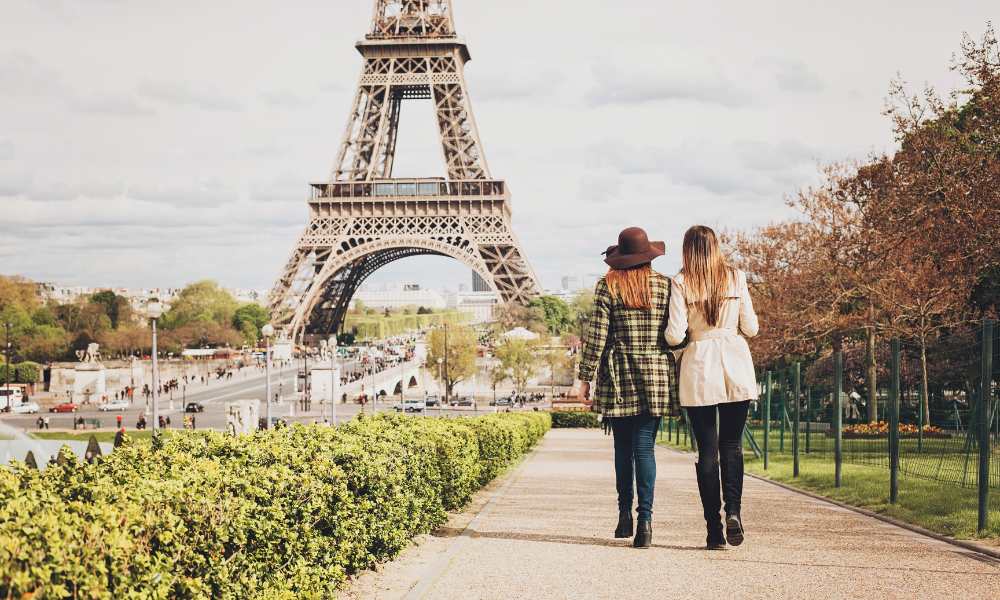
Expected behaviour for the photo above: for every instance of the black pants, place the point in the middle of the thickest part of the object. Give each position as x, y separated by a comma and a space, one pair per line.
719, 433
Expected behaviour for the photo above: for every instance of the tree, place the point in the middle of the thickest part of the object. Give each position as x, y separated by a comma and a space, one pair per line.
127, 341
455, 347
497, 376
556, 314
202, 302
513, 315
249, 320
560, 366
117, 308
582, 309
520, 361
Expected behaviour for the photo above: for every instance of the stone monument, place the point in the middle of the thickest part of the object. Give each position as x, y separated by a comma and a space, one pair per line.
90, 381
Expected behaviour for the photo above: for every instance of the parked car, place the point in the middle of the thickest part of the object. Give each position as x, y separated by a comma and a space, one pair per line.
414, 405
65, 407
501, 402
194, 407
28, 408
433, 401
464, 401
114, 405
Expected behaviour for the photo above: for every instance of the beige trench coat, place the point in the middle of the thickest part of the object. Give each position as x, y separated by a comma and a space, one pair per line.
716, 366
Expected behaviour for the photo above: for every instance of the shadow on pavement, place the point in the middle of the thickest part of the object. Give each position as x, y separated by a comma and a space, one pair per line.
449, 532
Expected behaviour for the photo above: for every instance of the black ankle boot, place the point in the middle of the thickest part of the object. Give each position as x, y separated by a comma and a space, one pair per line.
715, 539
644, 535
624, 525
732, 492
734, 529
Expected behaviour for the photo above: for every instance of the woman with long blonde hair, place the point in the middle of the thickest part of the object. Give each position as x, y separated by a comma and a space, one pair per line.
625, 350
710, 306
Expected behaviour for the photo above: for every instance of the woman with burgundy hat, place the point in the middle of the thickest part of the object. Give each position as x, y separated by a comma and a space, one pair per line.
711, 307
626, 351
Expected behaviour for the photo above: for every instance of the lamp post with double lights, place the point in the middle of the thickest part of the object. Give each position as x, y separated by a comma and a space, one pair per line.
154, 310
268, 332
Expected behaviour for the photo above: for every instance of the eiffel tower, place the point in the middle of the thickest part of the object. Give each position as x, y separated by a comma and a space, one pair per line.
364, 219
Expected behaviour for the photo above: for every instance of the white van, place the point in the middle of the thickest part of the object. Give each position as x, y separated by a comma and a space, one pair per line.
11, 397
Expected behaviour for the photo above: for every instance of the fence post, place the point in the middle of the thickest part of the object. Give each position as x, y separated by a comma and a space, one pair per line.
783, 412
809, 418
767, 420
838, 415
920, 418
894, 425
985, 399
797, 411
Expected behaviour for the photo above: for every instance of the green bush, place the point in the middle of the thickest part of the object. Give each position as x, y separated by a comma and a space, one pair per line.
575, 420
280, 514
28, 372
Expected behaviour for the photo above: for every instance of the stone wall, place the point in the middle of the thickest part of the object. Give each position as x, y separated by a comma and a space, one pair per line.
121, 374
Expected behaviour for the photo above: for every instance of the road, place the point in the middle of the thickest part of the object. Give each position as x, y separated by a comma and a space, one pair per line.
214, 398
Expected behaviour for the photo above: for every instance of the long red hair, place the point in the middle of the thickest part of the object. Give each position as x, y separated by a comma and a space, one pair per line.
632, 286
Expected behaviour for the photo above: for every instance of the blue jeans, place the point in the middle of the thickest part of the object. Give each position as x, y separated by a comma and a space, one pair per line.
635, 461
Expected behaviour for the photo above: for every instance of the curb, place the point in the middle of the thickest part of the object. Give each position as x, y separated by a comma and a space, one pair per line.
971, 546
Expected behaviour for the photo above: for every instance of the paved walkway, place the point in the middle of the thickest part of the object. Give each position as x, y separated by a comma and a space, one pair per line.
544, 532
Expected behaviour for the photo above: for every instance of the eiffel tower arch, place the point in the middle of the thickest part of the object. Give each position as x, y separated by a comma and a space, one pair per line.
364, 219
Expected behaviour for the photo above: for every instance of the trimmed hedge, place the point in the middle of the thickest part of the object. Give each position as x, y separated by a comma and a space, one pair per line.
280, 514
575, 420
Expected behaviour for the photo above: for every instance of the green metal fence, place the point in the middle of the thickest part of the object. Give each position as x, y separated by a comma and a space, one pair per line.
826, 409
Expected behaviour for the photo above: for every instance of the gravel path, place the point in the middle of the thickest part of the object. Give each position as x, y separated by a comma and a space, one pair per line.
544, 532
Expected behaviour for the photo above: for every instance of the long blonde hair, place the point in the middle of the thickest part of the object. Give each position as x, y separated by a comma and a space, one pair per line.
707, 277
632, 286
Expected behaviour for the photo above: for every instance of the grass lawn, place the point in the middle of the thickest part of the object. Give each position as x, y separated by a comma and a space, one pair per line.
102, 436
941, 507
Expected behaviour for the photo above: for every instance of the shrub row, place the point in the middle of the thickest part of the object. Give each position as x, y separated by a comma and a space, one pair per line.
25, 372
279, 514
574, 419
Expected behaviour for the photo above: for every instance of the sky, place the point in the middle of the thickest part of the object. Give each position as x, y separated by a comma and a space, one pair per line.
146, 143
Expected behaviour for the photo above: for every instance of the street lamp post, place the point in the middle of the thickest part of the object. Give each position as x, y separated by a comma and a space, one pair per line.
333, 382
267, 331
447, 388
155, 310
441, 378
7, 368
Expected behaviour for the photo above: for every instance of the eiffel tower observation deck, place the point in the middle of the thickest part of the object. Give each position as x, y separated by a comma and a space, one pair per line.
363, 218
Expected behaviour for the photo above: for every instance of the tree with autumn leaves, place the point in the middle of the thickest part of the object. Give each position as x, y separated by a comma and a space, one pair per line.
904, 245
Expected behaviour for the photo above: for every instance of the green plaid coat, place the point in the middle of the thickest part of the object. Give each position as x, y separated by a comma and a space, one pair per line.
627, 351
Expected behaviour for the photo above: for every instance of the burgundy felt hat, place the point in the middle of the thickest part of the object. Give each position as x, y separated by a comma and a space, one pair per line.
633, 249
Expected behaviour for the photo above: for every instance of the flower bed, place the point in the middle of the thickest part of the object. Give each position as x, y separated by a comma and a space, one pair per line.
574, 420
280, 514
881, 430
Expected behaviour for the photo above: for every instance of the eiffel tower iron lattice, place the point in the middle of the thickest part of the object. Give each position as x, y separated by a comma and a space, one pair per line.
363, 219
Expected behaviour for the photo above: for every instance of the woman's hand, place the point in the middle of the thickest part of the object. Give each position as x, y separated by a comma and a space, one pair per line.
585, 390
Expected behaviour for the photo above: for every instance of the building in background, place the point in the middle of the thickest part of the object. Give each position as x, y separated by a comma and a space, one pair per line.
480, 306
479, 284
398, 296
571, 283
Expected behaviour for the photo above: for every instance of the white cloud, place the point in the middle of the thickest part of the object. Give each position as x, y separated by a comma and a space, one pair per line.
660, 82
150, 143
183, 95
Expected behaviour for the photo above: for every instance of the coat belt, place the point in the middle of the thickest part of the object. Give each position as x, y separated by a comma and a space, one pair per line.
714, 334
613, 364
